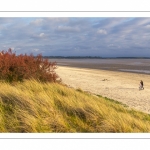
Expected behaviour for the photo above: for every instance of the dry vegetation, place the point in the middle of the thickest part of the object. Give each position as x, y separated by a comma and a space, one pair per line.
33, 106
37, 103
14, 68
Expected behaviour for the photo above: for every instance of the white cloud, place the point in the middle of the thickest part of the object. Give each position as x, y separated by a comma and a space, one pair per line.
18, 48
110, 45
36, 49
37, 22
12, 48
143, 21
58, 20
42, 35
68, 29
101, 31
148, 26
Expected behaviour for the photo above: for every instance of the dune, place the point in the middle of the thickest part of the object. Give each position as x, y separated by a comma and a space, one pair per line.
120, 86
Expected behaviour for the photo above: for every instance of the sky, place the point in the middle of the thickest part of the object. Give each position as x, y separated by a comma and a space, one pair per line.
50, 36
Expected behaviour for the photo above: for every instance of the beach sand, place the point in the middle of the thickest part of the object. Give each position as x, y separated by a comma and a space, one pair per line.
120, 86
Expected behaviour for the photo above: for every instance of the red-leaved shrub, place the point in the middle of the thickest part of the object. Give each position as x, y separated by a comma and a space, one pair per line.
19, 67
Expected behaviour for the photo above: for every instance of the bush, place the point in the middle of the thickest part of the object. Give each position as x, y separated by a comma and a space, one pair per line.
19, 67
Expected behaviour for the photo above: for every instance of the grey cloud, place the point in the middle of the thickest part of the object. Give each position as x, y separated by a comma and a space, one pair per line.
77, 36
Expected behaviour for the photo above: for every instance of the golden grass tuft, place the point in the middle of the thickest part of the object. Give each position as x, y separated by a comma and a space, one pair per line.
32, 107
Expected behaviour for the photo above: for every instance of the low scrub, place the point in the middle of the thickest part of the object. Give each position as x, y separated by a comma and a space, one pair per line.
33, 106
14, 68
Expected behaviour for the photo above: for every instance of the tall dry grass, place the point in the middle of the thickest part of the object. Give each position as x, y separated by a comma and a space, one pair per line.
32, 106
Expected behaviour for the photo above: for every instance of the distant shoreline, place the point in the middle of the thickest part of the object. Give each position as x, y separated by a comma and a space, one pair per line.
107, 69
92, 57
138, 66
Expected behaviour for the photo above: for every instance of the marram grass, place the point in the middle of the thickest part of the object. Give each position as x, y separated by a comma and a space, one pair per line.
32, 107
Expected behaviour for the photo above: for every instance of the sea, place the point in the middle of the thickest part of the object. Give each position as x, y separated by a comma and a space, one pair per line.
141, 66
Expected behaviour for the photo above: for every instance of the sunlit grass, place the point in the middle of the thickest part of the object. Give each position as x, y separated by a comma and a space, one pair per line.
32, 106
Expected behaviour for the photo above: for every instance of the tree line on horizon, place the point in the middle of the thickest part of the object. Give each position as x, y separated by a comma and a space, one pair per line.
93, 57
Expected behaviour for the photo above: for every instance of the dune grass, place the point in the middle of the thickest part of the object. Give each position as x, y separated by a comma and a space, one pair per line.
32, 107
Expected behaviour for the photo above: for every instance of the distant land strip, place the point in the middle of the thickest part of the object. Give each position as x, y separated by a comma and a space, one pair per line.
93, 57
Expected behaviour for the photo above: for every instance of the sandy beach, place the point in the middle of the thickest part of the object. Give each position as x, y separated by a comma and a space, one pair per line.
120, 86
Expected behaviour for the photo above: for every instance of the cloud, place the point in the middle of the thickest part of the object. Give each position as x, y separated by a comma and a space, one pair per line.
57, 19
101, 31
148, 26
67, 29
41, 35
77, 36
37, 22
36, 49
141, 21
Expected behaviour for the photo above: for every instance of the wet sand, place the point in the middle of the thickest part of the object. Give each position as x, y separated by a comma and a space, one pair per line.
141, 66
120, 86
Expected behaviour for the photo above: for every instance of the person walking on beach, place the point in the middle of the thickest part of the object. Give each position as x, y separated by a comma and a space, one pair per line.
141, 85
